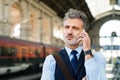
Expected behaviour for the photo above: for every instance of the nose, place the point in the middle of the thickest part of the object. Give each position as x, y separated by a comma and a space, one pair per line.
70, 30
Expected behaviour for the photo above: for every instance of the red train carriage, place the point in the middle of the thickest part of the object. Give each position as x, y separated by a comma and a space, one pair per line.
15, 52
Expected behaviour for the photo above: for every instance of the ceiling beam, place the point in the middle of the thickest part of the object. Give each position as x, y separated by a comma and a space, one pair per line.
73, 3
61, 7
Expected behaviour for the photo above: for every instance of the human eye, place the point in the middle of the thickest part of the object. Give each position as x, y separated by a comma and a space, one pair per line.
66, 27
76, 28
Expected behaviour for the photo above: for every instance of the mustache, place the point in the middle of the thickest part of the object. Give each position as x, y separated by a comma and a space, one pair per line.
69, 35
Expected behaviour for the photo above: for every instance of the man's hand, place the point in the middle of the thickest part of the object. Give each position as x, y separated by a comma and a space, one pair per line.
86, 43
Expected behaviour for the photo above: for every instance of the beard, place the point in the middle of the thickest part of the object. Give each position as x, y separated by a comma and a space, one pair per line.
70, 40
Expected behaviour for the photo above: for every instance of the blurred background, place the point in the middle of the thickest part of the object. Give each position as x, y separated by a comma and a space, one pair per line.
31, 30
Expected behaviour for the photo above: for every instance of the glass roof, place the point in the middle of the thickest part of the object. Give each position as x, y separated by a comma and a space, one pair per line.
100, 6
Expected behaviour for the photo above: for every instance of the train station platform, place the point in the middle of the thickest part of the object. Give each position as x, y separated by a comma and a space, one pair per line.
13, 69
113, 72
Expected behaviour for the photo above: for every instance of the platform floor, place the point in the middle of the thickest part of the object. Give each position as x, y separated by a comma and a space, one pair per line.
113, 72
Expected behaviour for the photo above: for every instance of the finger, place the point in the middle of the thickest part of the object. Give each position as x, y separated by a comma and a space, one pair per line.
79, 39
84, 33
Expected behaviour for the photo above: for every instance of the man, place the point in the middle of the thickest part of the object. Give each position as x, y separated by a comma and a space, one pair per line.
89, 66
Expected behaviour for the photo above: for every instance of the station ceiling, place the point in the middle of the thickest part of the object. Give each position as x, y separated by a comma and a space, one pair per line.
61, 6
92, 8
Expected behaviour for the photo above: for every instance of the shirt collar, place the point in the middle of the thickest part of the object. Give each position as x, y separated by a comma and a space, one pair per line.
78, 49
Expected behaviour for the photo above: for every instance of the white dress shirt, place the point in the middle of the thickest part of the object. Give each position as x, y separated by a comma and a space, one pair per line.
95, 67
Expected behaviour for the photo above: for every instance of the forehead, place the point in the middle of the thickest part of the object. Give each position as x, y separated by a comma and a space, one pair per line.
73, 22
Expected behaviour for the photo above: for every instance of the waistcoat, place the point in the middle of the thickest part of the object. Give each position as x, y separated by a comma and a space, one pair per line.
81, 69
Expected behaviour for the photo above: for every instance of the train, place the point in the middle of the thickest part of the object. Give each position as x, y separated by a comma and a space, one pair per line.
17, 54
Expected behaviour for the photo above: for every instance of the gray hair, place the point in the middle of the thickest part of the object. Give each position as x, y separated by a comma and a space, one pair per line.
73, 13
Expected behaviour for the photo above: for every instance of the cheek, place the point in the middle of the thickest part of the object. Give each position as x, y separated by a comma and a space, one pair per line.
76, 34
64, 32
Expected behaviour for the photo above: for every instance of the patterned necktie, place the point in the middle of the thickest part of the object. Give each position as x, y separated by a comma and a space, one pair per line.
74, 60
